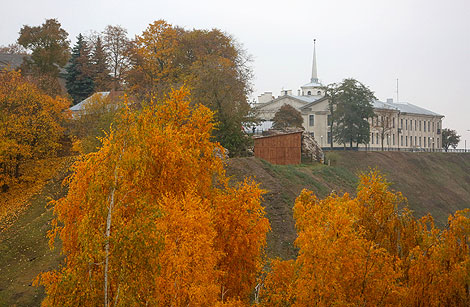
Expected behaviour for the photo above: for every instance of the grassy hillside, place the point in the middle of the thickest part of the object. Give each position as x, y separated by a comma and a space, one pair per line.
435, 183
24, 250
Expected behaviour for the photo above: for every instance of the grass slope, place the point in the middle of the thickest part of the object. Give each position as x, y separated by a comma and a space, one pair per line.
24, 250
435, 183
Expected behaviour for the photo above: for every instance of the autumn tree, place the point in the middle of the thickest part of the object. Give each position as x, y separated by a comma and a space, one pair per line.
79, 77
116, 45
49, 49
350, 105
150, 219
48, 45
287, 116
450, 138
13, 49
370, 251
31, 124
93, 121
211, 63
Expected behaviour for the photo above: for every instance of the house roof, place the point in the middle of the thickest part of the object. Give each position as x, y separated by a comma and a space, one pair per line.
13, 61
308, 105
81, 105
404, 107
303, 99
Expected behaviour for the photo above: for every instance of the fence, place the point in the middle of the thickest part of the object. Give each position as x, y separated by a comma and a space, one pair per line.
450, 150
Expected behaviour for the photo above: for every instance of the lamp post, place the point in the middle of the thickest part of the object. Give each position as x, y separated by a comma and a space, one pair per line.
321, 141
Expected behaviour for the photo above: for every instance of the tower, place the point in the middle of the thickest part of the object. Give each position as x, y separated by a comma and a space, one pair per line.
314, 88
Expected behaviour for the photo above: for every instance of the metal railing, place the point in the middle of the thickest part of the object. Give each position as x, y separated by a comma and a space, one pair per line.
450, 150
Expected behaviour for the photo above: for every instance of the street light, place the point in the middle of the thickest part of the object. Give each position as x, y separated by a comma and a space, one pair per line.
321, 142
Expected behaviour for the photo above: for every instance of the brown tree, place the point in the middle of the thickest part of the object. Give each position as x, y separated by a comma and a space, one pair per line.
287, 116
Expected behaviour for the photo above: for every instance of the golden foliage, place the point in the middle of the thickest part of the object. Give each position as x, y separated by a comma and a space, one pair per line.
31, 125
367, 251
150, 219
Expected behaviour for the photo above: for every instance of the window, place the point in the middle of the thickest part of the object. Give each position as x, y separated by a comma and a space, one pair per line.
419, 141
429, 128
393, 139
328, 118
411, 124
416, 124
406, 141
420, 126
329, 137
401, 123
406, 124
401, 139
377, 138
309, 93
393, 122
312, 134
311, 120
319, 93
424, 126
388, 139
372, 138
437, 145
416, 140
411, 141
424, 142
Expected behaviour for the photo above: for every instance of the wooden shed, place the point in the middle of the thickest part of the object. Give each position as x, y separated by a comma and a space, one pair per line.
280, 149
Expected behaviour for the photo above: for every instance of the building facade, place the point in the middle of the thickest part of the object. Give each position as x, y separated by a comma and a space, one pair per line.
396, 124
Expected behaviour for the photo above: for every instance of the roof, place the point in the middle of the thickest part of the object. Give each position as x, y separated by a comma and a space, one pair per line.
303, 99
81, 105
404, 107
12, 61
276, 134
312, 84
308, 105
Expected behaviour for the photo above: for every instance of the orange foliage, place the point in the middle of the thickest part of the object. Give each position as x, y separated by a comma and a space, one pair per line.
367, 251
31, 124
150, 219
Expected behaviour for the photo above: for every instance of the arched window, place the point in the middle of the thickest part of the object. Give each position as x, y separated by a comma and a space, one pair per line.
319, 93
309, 93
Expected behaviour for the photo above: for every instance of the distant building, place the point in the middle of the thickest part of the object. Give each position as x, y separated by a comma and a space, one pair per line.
397, 125
11, 61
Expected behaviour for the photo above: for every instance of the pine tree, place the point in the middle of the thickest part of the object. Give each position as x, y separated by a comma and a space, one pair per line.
101, 73
79, 81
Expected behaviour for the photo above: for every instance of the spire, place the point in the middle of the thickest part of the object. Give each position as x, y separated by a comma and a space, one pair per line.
314, 78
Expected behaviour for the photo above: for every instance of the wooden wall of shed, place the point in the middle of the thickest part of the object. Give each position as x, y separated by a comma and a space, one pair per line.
280, 149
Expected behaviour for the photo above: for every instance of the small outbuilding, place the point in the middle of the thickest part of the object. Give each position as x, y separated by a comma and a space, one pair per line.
280, 148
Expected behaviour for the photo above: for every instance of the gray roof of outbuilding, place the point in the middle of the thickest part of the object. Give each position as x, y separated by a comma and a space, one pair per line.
13, 61
81, 105
404, 107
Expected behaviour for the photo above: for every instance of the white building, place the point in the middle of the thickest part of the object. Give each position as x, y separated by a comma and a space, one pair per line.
396, 125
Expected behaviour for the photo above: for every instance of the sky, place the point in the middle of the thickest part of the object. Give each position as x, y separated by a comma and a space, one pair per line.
425, 44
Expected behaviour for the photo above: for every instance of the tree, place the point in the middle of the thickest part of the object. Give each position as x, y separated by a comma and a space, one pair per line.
101, 73
79, 78
210, 63
350, 108
49, 47
116, 45
13, 49
31, 124
450, 138
151, 219
382, 122
370, 251
287, 116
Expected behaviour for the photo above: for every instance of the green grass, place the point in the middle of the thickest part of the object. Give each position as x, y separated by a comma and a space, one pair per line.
24, 250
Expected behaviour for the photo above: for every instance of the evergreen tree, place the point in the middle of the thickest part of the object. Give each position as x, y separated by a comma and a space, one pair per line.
101, 73
79, 80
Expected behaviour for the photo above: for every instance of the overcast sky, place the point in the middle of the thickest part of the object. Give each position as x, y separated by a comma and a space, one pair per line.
423, 43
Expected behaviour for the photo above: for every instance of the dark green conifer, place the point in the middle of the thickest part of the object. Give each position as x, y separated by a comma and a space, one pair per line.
79, 77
